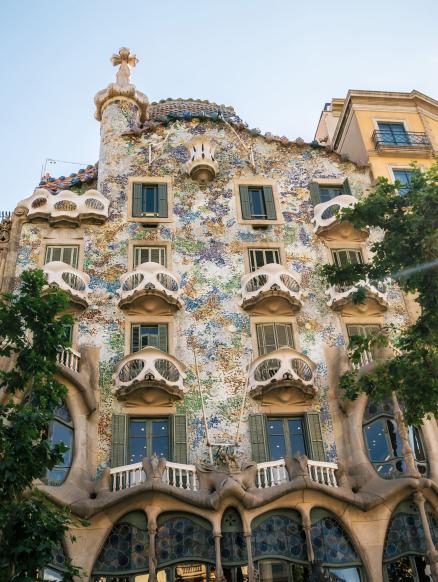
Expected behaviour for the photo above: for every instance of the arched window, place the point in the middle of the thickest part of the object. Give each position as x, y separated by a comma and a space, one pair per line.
125, 552
405, 546
61, 431
383, 441
279, 547
233, 544
332, 547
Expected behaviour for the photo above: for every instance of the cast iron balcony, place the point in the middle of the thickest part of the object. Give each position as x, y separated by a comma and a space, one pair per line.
67, 208
268, 284
404, 140
148, 369
149, 279
69, 279
340, 295
283, 368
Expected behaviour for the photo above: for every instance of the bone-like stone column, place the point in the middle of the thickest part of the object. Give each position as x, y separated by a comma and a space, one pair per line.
432, 554
217, 546
251, 573
152, 554
406, 447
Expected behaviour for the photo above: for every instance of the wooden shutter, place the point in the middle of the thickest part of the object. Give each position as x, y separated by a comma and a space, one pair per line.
314, 193
162, 201
346, 187
179, 438
137, 200
244, 203
268, 195
163, 343
259, 443
135, 338
314, 437
119, 439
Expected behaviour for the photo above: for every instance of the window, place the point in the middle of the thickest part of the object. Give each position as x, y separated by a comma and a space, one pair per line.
68, 330
323, 192
286, 437
61, 431
393, 133
148, 436
257, 203
271, 336
144, 335
66, 254
149, 201
343, 257
383, 441
404, 177
149, 254
260, 257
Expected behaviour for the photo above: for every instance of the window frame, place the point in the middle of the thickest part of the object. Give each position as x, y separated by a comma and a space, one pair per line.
286, 319
394, 169
356, 250
147, 324
257, 182
150, 180
57, 242
342, 183
285, 418
165, 244
150, 320
275, 324
71, 426
262, 246
149, 420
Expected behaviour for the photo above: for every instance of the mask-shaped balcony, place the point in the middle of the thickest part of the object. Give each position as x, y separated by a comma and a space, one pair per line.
328, 226
70, 280
151, 288
149, 376
67, 208
283, 376
376, 299
202, 165
270, 290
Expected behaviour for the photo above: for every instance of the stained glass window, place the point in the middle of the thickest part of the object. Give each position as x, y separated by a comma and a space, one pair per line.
233, 544
279, 535
182, 538
127, 547
331, 544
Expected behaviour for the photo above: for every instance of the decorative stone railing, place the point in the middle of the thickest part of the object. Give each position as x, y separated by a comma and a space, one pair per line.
149, 368
269, 282
69, 358
271, 473
322, 472
283, 368
66, 207
175, 474
202, 165
340, 295
69, 279
325, 214
150, 279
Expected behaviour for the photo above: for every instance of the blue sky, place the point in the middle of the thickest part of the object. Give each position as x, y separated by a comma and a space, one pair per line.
276, 61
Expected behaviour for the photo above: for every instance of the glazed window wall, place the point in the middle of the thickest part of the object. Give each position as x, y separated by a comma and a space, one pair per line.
287, 437
393, 133
149, 255
148, 436
257, 203
144, 335
66, 254
404, 177
149, 200
261, 257
272, 336
61, 431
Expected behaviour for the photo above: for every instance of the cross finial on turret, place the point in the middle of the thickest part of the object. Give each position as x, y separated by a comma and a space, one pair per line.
125, 59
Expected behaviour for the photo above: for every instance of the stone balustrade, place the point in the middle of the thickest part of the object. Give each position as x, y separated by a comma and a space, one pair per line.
269, 282
69, 358
271, 473
150, 279
322, 472
69, 279
177, 475
66, 207
340, 295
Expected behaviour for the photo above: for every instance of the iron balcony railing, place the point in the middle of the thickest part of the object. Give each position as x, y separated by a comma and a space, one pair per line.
393, 139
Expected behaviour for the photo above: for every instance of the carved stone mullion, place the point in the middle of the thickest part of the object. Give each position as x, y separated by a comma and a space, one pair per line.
152, 554
307, 526
407, 452
217, 546
432, 553
251, 573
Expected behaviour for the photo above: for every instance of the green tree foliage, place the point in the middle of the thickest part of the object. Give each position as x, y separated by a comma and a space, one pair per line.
408, 255
31, 331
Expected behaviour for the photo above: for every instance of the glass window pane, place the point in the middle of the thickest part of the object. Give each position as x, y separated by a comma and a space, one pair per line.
346, 574
137, 450
149, 336
378, 449
277, 443
400, 570
160, 446
296, 435
160, 428
63, 434
137, 428
150, 199
327, 194
257, 203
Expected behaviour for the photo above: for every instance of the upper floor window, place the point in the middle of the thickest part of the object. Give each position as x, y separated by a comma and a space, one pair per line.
149, 254
271, 336
404, 177
65, 253
68, 333
324, 191
149, 335
148, 436
393, 133
343, 257
149, 201
61, 431
260, 257
287, 437
257, 203
384, 443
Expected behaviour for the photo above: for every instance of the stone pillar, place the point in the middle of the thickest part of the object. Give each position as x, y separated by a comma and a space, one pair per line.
217, 546
408, 455
432, 554
307, 526
251, 573
152, 553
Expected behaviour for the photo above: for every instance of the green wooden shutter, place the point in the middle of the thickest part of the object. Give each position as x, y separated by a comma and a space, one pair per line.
259, 443
244, 203
314, 437
268, 195
179, 438
135, 338
119, 439
136, 199
346, 187
314, 193
163, 343
162, 200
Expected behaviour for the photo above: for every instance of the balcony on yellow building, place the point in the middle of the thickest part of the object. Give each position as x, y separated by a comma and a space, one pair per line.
402, 143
